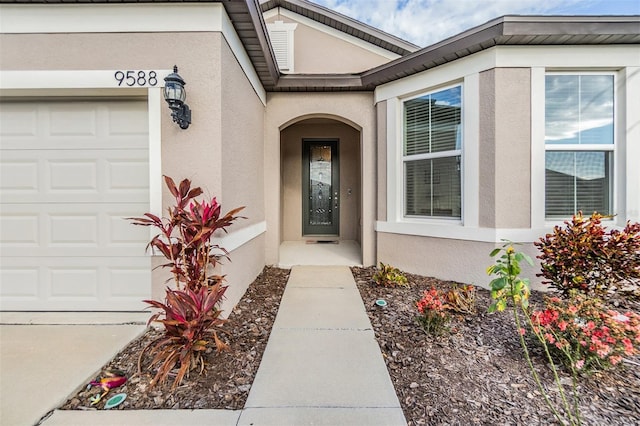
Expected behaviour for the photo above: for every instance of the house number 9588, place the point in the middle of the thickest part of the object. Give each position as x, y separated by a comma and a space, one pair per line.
136, 78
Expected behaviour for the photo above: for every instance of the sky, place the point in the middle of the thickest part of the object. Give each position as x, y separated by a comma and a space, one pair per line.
424, 22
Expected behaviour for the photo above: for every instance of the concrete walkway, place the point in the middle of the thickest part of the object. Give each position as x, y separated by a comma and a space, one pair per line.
322, 366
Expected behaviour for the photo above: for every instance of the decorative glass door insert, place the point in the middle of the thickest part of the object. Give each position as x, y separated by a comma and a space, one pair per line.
320, 184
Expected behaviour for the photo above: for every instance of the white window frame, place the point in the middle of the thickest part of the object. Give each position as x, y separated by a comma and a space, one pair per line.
429, 156
613, 148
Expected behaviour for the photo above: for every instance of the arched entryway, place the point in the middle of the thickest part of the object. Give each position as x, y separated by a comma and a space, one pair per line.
321, 197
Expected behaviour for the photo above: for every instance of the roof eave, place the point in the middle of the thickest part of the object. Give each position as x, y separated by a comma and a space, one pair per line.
510, 30
318, 82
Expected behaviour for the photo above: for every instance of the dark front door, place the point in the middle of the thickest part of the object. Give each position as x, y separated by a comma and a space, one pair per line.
320, 187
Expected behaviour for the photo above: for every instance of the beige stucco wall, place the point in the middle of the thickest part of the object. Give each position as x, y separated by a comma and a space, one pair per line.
242, 157
505, 148
381, 122
316, 52
349, 158
242, 166
285, 109
448, 259
212, 151
185, 153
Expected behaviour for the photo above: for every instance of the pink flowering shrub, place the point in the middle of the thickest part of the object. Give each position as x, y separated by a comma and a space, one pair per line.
434, 317
436, 307
584, 334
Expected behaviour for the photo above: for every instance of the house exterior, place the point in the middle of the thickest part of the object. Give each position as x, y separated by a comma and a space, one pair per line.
323, 127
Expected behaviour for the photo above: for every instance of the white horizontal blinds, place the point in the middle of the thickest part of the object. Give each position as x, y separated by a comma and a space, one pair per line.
433, 187
417, 126
579, 138
578, 181
280, 44
432, 122
432, 154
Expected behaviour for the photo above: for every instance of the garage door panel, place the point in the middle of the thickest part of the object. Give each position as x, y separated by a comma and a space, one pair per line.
18, 176
69, 176
72, 230
50, 176
73, 283
20, 230
19, 122
95, 283
128, 120
70, 173
69, 121
74, 125
19, 282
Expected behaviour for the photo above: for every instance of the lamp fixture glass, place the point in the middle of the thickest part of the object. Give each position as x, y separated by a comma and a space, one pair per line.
175, 95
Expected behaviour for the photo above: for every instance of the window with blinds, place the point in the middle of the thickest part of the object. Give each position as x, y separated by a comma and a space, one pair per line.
432, 153
579, 144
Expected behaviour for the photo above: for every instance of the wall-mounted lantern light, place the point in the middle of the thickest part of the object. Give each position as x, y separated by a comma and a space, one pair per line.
175, 95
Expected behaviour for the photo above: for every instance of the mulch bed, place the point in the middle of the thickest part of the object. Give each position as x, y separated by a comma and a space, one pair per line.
475, 375
228, 375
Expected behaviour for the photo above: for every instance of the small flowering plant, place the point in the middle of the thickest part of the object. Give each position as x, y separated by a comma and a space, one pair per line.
586, 335
434, 317
508, 288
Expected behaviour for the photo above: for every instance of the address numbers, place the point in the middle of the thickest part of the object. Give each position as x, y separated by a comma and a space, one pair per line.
136, 78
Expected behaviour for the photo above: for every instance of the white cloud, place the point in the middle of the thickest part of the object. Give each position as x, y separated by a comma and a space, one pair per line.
425, 22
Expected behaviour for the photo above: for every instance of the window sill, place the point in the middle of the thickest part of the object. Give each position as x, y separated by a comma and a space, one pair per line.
456, 230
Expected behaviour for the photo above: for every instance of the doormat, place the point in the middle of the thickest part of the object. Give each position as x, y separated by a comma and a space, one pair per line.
322, 241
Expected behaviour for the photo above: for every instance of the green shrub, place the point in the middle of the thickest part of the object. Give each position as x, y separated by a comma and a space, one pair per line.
389, 276
583, 256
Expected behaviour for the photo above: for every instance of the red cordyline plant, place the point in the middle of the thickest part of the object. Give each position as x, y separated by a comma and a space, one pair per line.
583, 256
191, 311
586, 335
190, 319
185, 235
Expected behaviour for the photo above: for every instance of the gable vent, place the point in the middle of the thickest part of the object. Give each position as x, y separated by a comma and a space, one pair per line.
281, 35
280, 43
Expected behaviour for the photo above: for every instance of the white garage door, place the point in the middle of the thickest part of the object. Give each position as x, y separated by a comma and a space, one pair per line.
70, 172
